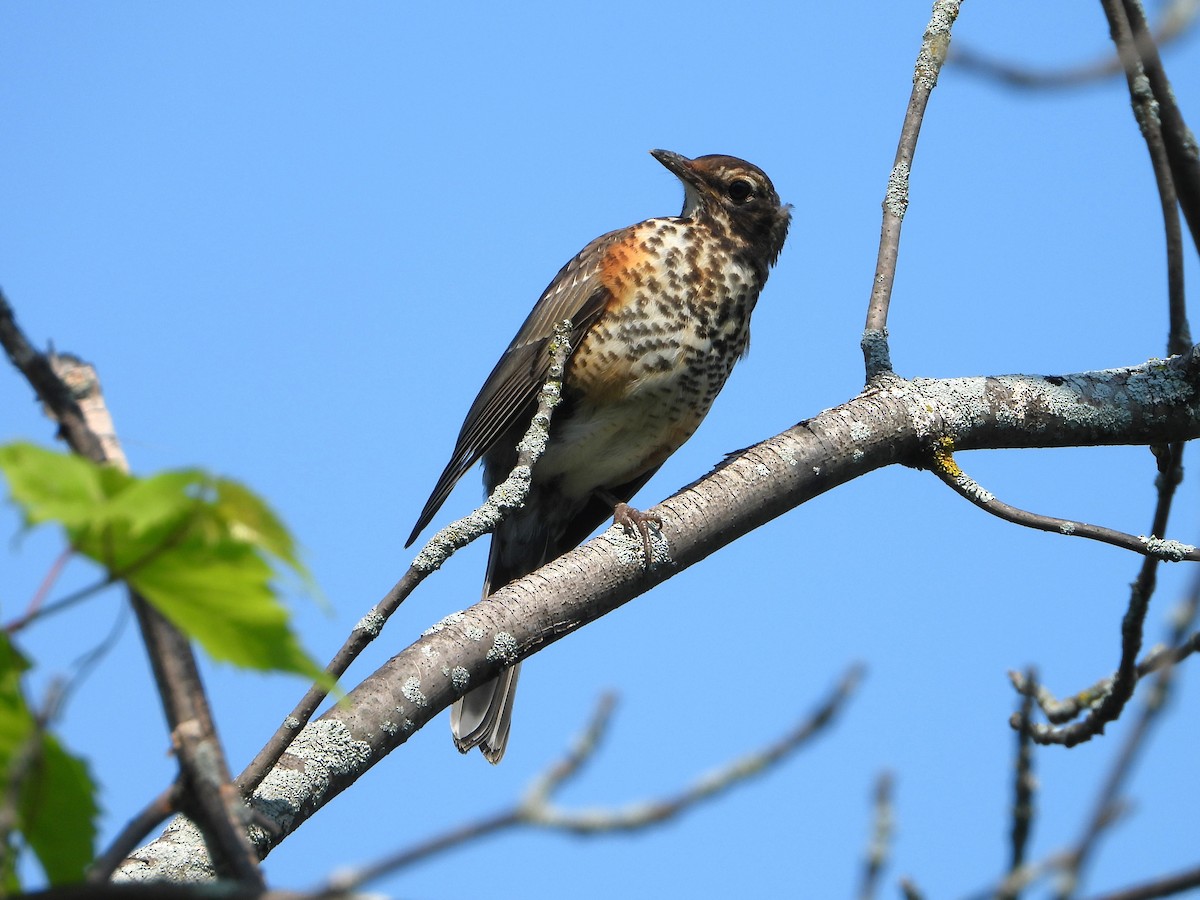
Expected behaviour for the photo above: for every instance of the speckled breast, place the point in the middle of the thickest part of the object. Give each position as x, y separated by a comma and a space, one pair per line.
647, 372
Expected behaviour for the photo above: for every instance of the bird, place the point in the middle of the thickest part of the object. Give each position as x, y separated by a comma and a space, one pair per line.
660, 313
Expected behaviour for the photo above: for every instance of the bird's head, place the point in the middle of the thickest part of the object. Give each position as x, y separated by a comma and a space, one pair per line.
735, 193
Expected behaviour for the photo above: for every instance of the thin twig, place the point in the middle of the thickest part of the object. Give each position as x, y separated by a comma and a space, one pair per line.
943, 464
642, 814
57, 606
151, 815
1109, 796
534, 807
1024, 786
508, 495
881, 836
1168, 886
1177, 17
1152, 104
1026, 876
1113, 702
1179, 140
71, 394
56, 396
39, 597
582, 751
934, 46
1132, 49
1060, 711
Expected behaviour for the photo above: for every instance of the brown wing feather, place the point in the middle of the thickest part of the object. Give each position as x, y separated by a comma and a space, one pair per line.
509, 394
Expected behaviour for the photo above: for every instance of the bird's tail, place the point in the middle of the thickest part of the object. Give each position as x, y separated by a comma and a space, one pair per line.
482, 717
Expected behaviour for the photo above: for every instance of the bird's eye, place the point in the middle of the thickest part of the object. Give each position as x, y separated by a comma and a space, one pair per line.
740, 190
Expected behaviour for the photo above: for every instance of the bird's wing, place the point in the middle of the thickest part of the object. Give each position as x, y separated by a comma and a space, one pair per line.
508, 397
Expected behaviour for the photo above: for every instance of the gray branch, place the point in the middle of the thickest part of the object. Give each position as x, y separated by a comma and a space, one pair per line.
896, 421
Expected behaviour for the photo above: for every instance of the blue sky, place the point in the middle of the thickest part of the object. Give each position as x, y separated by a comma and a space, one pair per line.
295, 237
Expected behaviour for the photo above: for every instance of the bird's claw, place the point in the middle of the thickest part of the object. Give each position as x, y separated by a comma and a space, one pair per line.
637, 522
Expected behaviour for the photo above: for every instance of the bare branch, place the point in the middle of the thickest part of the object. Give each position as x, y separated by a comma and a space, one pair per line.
57, 397
1024, 786
893, 422
1131, 50
536, 809
881, 837
944, 466
536, 795
583, 750
934, 46
650, 812
1180, 142
1027, 875
508, 495
71, 392
1177, 17
39, 598
1111, 704
1169, 886
150, 817
1059, 711
1109, 798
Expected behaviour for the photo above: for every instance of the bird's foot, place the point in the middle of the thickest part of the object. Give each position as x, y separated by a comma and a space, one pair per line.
637, 522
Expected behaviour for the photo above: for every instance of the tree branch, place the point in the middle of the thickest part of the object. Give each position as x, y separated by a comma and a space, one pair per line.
1169, 886
1177, 17
934, 46
71, 392
508, 495
1108, 801
943, 465
1024, 788
1132, 50
1180, 142
894, 422
881, 837
535, 807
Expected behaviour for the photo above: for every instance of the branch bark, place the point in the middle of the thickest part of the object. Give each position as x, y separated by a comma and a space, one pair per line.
897, 421
71, 393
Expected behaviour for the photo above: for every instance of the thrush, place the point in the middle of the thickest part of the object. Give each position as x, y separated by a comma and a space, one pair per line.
660, 313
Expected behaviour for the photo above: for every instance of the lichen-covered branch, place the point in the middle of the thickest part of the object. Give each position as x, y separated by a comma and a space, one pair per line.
508, 495
934, 47
943, 465
897, 421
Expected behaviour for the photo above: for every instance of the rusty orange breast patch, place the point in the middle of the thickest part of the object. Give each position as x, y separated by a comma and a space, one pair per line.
626, 267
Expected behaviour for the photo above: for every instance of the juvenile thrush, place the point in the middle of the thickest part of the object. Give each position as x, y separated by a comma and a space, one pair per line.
660, 314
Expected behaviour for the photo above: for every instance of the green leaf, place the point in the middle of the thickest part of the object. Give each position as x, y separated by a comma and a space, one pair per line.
219, 593
202, 550
145, 504
254, 521
57, 810
52, 487
16, 721
58, 813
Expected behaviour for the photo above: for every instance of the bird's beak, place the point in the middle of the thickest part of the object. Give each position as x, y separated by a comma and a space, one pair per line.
680, 165
685, 170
